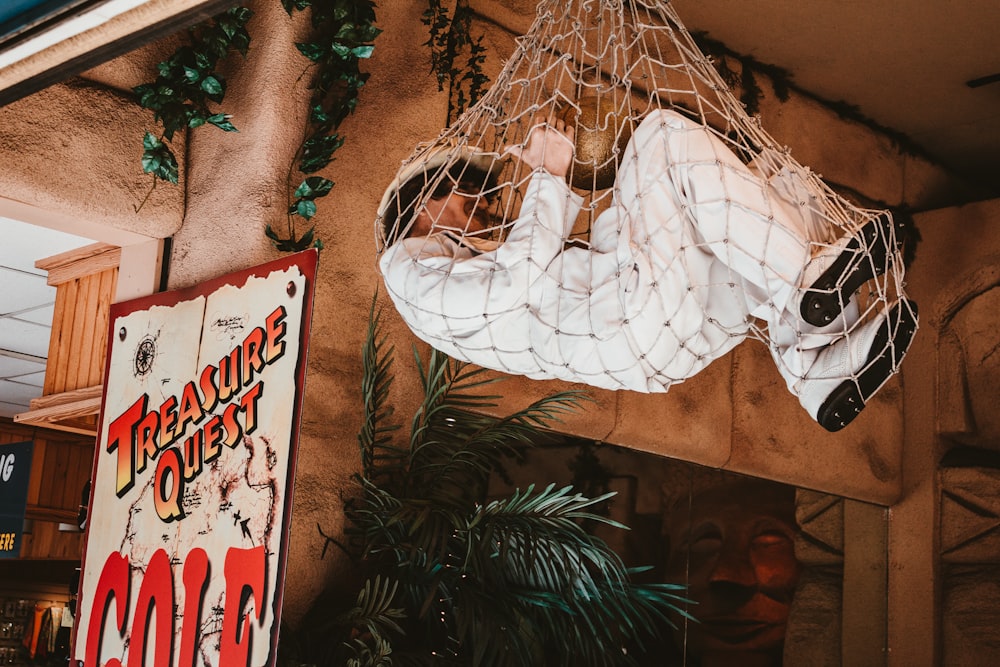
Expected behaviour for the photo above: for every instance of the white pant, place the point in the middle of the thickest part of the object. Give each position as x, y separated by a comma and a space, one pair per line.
691, 208
693, 246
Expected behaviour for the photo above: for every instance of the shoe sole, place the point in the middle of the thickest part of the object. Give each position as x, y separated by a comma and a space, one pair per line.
850, 397
825, 298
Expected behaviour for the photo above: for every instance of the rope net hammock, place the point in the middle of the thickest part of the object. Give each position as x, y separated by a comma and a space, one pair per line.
680, 228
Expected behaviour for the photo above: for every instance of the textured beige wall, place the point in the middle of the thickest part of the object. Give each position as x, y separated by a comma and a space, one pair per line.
735, 415
959, 259
73, 149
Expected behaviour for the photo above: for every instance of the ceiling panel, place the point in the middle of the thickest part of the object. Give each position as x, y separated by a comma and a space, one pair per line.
18, 393
23, 291
18, 368
39, 314
26, 309
24, 337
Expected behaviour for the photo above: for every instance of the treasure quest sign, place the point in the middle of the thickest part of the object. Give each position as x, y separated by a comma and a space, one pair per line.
191, 491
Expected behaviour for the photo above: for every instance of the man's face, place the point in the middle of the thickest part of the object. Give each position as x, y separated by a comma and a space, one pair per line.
464, 210
736, 550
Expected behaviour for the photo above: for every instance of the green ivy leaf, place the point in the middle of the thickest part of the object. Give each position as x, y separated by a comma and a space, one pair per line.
369, 33
318, 115
150, 142
202, 61
305, 208
306, 240
292, 244
313, 187
221, 121
241, 42
346, 30
145, 93
212, 86
241, 14
228, 28
289, 5
312, 51
158, 159
168, 171
317, 152
341, 50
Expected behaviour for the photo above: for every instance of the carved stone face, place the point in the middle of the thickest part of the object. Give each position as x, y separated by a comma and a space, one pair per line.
735, 548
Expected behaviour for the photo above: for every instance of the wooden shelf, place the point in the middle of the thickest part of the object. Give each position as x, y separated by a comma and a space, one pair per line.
74, 411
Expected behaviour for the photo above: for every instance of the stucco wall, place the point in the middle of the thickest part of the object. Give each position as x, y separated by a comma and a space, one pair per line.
72, 149
735, 415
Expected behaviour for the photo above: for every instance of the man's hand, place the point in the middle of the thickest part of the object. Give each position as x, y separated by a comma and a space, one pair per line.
550, 146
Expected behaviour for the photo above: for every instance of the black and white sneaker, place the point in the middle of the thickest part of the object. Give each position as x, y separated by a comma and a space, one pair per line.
864, 256
848, 373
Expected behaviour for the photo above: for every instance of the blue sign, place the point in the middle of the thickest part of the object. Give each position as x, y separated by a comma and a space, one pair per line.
15, 471
17, 16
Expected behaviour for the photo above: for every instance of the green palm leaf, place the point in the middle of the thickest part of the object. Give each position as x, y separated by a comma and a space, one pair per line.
459, 580
375, 436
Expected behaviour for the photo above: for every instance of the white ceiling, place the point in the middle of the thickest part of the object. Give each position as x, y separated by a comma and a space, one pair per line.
26, 306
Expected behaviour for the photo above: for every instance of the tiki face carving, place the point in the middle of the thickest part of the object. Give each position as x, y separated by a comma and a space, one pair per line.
735, 548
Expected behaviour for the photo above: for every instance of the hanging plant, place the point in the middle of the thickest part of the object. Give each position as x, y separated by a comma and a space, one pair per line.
343, 32
451, 40
185, 84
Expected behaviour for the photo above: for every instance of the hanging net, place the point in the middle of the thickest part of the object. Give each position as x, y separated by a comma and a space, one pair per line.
680, 228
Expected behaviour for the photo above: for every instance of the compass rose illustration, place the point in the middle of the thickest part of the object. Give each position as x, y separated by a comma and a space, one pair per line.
145, 353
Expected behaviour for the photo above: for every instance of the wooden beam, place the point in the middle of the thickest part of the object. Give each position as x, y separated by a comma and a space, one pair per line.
67, 397
80, 262
71, 411
56, 514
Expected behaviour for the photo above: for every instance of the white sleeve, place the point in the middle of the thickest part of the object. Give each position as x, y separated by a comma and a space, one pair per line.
445, 290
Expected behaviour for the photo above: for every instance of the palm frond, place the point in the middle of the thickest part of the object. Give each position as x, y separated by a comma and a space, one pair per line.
512, 582
369, 652
458, 450
374, 608
535, 539
447, 384
375, 435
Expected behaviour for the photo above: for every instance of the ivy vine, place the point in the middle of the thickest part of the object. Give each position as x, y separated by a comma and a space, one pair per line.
342, 36
450, 41
343, 32
186, 82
